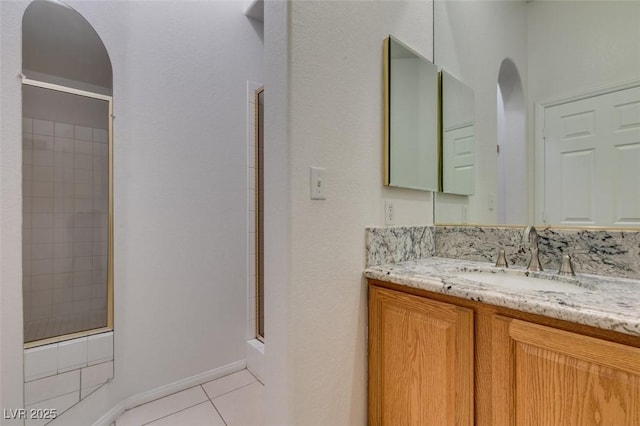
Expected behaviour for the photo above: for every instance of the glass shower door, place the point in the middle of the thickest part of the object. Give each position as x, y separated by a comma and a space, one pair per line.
66, 212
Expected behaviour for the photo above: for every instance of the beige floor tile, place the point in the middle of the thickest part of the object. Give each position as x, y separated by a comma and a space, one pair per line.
201, 415
228, 383
242, 407
162, 407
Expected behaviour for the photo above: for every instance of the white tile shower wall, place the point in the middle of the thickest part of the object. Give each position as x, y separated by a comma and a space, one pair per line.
65, 190
60, 374
59, 404
58, 358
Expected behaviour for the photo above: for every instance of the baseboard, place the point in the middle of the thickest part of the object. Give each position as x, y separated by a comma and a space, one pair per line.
142, 398
255, 358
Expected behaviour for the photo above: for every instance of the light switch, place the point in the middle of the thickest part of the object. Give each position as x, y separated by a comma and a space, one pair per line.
317, 184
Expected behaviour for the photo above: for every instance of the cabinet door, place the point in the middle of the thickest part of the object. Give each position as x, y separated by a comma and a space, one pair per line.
544, 376
420, 361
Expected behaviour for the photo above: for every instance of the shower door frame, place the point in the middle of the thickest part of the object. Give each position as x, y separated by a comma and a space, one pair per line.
259, 228
109, 326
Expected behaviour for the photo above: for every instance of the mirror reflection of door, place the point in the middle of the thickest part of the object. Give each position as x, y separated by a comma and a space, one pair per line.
259, 185
67, 208
592, 152
458, 136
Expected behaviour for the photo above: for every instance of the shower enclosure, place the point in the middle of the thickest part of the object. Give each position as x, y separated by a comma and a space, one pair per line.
66, 178
65, 211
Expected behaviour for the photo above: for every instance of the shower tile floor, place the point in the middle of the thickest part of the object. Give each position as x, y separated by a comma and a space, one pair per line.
233, 400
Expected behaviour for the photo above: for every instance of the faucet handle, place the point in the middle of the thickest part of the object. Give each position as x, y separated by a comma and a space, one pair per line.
566, 268
534, 262
530, 233
502, 259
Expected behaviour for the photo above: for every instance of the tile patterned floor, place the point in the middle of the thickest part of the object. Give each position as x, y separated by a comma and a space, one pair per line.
233, 400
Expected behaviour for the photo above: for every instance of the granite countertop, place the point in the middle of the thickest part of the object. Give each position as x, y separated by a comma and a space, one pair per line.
608, 303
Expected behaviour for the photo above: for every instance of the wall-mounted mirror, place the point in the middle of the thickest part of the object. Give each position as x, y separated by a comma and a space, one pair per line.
411, 118
458, 139
67, 207
557, 121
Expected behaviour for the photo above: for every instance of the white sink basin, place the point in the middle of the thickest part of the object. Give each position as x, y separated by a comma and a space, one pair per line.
516, 281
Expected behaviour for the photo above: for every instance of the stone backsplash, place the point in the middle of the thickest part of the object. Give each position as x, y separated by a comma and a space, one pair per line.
594, 251
399, 244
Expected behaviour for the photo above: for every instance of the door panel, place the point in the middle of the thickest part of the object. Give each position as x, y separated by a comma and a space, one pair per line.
552, 377
420, 361
459, 160
625, 111
571, 147
578, 168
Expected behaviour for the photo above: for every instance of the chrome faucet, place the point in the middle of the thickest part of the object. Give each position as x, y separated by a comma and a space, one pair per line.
530, 235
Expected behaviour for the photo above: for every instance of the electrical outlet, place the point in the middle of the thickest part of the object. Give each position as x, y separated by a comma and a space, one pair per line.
389, 213
491, 202
317, 184
464, 214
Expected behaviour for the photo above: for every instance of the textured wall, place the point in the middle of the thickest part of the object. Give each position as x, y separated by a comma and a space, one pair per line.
576, 47
180, 71
334, 118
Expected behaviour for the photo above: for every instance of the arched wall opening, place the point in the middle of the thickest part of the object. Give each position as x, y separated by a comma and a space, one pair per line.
512, 149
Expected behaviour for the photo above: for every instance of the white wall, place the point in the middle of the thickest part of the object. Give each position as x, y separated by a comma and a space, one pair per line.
11, 384
576, 46
472, 40
277, 232
327, 113
180, 71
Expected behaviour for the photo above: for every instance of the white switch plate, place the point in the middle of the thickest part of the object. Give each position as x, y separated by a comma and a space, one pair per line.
389, 213
317, 184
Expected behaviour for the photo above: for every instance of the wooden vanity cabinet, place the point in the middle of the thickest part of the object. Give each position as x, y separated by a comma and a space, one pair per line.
440, 360
420, 361
545, 376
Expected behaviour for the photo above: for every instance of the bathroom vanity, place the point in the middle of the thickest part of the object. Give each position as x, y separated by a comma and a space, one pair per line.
452, 342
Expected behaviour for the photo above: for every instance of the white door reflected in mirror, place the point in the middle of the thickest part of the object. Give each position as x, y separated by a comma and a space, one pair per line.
458, 136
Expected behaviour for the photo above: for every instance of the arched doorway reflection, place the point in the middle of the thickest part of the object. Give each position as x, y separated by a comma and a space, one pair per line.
512, 163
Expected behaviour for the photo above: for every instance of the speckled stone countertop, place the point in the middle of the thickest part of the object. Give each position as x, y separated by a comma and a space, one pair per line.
609, 303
